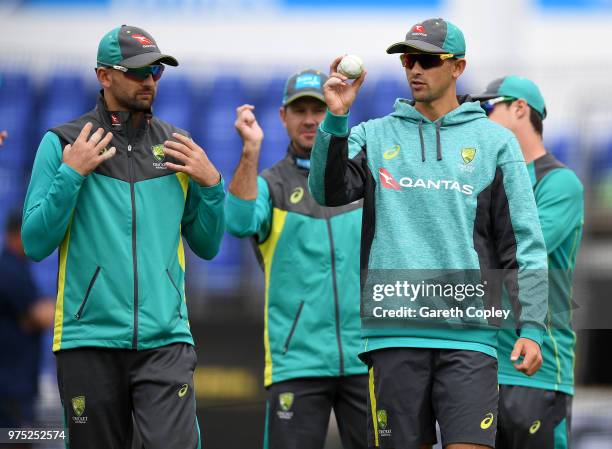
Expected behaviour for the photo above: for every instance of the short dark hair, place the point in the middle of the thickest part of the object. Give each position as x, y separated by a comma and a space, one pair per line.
13, 222
534, 118
536, 121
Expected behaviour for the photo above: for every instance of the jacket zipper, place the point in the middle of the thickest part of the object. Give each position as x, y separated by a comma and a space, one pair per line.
134, 254
293, 326
89, 287
177, 291
336, 302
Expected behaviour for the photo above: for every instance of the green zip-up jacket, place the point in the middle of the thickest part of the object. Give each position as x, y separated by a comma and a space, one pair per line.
560, 200
310, 258
121, 280
453, 194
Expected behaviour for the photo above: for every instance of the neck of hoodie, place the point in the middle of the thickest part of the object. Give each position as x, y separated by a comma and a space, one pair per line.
435, 109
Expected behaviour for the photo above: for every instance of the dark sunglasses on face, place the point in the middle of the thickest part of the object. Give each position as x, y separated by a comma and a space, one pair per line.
142, 73
489, 105
426, 60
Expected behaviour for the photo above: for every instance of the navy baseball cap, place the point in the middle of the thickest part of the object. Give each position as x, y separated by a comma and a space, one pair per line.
515, 87
432, 36
306, 83
131, 47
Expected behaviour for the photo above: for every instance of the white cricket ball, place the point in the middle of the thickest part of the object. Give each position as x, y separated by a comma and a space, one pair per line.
351, 66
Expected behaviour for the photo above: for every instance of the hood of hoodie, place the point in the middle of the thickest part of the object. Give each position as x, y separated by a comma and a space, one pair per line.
466, 112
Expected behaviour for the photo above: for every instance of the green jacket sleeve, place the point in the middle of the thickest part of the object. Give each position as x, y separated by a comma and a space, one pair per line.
560, 200
519, 242
203, 221
250, 217
338, 167
51, 198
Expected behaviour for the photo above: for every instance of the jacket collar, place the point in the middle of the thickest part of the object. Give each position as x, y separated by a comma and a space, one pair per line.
299, 162
118, 119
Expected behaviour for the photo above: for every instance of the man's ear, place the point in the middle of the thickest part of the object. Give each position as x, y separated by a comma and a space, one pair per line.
104, 77
458, 67
282, 112
521, 109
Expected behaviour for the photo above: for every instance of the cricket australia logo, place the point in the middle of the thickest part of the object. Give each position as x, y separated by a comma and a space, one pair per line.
467, 156
383, 423
160, 156
285, 401
78, 406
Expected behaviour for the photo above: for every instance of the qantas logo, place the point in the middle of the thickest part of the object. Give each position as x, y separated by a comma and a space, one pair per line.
386, 179
388, 182
144, 40
115, 120
419, 30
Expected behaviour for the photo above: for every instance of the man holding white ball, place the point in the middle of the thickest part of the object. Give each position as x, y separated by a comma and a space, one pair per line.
444, 189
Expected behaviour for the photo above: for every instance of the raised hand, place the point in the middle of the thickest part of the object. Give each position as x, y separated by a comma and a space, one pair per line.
340, 95
249, 130
87, 152
195, 162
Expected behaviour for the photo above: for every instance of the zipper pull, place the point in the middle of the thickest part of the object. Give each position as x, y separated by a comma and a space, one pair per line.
129, 150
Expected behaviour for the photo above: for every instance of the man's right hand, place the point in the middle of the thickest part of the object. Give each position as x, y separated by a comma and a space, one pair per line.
87, 152
3, 136
249, 130
340, 95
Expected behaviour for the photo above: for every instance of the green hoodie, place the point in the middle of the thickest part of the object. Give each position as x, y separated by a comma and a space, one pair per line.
453, 194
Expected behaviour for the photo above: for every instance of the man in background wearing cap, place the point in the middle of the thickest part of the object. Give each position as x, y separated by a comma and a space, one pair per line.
117, 203
444, 189
535, 412
309, 255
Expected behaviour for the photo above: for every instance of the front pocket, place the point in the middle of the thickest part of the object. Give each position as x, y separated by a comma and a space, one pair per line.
91, 284
295, 321
180, 298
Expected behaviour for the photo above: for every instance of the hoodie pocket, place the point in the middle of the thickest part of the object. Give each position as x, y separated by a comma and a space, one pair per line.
178, 292
293, 326
79, 313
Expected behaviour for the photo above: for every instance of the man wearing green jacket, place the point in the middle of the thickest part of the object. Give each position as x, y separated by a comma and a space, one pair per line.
535, 412
310, 258
117, 203
447, 205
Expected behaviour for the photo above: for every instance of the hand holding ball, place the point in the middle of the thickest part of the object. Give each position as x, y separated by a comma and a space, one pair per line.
351, 66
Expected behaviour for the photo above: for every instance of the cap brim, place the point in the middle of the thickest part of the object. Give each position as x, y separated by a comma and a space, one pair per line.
146, 59
298, 95
411, 45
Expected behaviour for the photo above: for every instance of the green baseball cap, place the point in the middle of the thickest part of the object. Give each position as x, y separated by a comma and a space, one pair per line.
132, 48
432, 36
306, 83
515, 87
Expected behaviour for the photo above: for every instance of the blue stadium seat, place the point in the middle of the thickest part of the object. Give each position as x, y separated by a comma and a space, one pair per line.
64, 98
175, 101
16, 106
384, 93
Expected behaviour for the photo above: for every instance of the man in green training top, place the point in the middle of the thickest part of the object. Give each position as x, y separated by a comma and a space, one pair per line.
117, 190
535, 412
446, 193
310, 257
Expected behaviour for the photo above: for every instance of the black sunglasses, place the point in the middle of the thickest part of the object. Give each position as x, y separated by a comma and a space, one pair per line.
426, 60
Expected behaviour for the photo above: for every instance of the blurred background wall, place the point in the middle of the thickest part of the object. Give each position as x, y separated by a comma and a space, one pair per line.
241, 51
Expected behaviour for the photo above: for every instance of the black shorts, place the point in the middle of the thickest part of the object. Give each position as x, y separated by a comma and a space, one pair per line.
103, 391
297, 412
412, 388
533, 418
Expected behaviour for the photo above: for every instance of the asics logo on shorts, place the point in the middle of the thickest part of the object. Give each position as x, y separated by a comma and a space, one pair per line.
487, 421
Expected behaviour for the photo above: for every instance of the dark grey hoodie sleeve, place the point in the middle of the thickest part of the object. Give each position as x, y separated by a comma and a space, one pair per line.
338, 166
